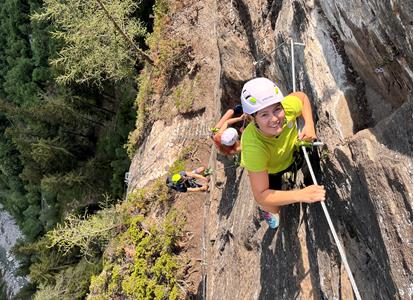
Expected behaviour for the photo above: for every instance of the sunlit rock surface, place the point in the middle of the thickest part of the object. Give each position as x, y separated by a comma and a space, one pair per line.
356, 67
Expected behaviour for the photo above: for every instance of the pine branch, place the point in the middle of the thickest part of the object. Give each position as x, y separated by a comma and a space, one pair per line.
141, 53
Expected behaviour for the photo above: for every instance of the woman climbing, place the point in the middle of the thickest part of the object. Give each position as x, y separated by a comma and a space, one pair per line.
185, 181
268, 145
226, 139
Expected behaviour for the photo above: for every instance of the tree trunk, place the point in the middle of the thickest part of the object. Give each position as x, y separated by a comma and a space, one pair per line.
141, 53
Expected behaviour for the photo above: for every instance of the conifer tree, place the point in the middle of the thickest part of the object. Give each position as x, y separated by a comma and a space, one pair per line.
93, 47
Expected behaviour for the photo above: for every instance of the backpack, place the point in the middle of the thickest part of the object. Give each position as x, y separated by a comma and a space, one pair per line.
170, 184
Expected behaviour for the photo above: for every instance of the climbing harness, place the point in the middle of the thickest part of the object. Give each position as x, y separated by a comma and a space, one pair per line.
325, 210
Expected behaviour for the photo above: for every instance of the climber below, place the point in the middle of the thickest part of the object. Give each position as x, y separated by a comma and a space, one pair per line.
226, 139
186, 181
268, 145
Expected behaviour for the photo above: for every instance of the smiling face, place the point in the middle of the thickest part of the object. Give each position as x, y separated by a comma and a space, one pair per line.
270, 120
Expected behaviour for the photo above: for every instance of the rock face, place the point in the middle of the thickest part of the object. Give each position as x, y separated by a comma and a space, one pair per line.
356, 67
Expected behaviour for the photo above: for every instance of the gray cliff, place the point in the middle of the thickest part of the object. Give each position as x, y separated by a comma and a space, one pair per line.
356, 67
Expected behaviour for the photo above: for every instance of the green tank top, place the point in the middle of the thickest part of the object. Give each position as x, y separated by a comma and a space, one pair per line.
270, 154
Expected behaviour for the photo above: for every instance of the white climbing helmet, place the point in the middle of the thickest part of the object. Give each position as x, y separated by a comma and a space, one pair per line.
229, 137
259, 93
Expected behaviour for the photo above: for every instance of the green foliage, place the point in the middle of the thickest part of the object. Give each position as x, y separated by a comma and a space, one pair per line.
31, 226
93, 49
16, 65
10, 165
179, 164
67, 276
26, 90
3, 287
156, 194
25, 292
49, 214
170, 63
183, 95
155, 271
50, 151
45, 267
139, 199
144, 92
43, 262
140, 263
47, 292
325, 153
110, 146
61, 148
60, 152
55, 183
160, 191
71, 283
161, 10
171, 54
89, 235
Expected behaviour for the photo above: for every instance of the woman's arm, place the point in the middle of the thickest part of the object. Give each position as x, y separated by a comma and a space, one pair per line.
198, 189
235, 120
226, 124
259, 182
229, 113
195, 175
308, 131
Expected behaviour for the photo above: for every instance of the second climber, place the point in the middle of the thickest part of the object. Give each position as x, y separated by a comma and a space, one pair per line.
225, 138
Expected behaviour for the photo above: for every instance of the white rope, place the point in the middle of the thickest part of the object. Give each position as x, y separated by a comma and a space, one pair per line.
338, 243
204, 244
292, 55
325, 210
203, 252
